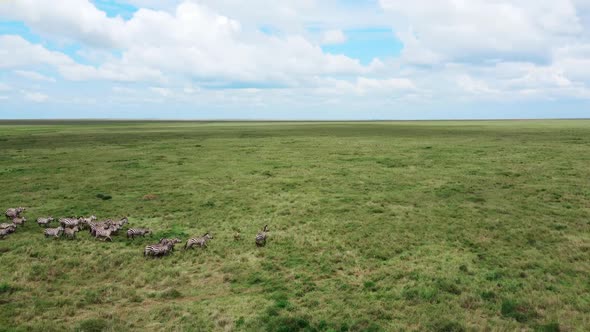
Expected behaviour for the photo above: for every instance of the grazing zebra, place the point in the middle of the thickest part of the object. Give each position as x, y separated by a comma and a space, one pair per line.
55, 232
133, 232
6, 231
19, 221
105, 234
4, 226
44, 221
14, 212
71, 232
261, 237
200, 241
69, 222
158, 249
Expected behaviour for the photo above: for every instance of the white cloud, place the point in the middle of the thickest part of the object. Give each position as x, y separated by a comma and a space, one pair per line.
16, 52
482, 29
193, 41
164, 92
333, 37
474, 86
5, 87
72, 19
363, 86
388, 85
35, 96
34, 76
212, 51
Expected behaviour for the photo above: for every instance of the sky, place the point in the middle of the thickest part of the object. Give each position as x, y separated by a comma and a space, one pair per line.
294, 59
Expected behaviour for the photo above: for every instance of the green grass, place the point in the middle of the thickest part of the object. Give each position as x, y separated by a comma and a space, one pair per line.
401, 226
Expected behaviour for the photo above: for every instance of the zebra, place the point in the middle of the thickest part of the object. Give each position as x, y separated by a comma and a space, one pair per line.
122, 222
158, 249
133, 232
171, 242
4, 226
200, 241
69, 222
19, 221
14, 212
261, 237
85, 221
71, 232
44, 221
89, 219
6, 231
117, 225
105, 234
55, 232
98, 225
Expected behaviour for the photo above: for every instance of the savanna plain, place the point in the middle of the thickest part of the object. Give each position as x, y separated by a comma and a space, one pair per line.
373, 226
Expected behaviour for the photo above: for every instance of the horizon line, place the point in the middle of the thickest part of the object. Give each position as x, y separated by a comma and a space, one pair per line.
283, 120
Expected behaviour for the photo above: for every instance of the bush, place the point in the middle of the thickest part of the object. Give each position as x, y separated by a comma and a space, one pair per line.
488, 295
150, 197
520, 312
6, 288
447, 326
91, 296
170, 294
551, 327
93, 325
104, 197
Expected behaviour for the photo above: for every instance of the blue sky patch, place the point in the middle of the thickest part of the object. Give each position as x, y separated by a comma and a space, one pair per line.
367, 44
268, 30
20, 29
115, 8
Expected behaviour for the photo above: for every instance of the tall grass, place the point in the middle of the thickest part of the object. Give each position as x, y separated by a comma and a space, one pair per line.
442, 226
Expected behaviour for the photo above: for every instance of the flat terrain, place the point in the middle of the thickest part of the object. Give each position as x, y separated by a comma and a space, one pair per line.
393, 226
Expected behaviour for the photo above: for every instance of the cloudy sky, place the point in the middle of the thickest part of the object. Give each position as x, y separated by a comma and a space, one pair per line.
294, 59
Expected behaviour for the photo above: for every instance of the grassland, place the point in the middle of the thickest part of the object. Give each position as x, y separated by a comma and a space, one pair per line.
407, 226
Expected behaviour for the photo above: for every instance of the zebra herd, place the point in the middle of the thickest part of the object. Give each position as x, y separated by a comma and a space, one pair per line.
14, 215
103, 230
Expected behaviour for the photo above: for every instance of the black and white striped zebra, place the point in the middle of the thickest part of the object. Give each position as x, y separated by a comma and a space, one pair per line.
261, 237
44, 221
171, 242
5, 231
89, 219
19, 221
85, 221
104, 234
133, 232
121, 222
55, 232
69, 222
4, 226
14, 212
199, 241
158, 250
98, 225
71, 232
